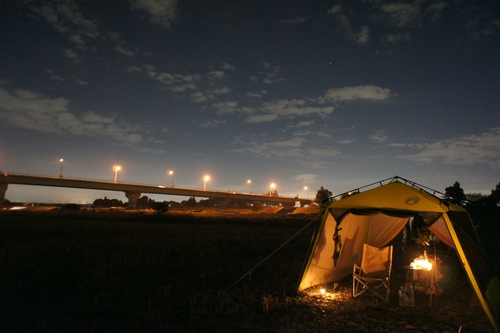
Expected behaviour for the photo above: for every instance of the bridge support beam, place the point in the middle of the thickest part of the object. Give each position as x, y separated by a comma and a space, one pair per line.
132, 197
3, 189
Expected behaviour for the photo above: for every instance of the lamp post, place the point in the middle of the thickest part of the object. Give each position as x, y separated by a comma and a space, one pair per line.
62, 162
206, 178
171, 173
273, 185
116, 168
307, 189
250, 183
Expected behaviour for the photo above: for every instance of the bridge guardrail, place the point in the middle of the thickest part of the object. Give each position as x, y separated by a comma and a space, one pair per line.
6, 174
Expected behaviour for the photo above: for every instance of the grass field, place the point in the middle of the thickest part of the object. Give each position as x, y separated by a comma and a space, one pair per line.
126, 272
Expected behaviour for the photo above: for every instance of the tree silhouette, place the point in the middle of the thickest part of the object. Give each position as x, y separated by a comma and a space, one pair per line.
455, 193
323, 197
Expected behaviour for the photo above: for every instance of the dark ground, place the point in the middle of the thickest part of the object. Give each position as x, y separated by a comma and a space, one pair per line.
93, 272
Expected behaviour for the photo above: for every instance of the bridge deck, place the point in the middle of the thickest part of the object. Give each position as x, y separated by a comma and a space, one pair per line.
35, 180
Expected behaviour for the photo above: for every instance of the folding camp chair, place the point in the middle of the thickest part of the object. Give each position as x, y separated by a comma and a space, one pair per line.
374, 274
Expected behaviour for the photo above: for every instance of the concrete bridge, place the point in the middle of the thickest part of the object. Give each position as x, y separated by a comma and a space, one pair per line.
133, 191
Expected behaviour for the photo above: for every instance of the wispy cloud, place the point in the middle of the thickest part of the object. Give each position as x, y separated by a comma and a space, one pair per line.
273, 110
34, 111
212, 123
403, 14
66, 17
295, 148
162, 12
306, 178
69, 53
467, 150
343, 22
379, 136
369, 92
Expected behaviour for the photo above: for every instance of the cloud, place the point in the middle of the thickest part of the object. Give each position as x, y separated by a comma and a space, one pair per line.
296, 20
120, 45
216, 75
162, 12
281, 148
228, 67
403, 14
65, 16
257, 94
183, 87
212, 123
436, 9
335, 9
344, 24
306, 178
304, 123
225, 107
363, 36
359, 92
288, 108
220, 91
263, 118
269, 75
132, 69
198, 97
467, 150
295, 148
77, 39
397, 38
78, 81
274, 110
379, 136
69, 53
53, 76
34, 111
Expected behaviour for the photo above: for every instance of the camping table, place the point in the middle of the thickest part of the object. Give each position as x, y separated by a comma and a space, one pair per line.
422, 280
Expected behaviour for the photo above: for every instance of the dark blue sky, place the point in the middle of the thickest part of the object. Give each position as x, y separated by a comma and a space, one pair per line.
299, 93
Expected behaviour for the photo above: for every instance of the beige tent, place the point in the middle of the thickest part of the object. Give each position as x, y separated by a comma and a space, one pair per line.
378, 215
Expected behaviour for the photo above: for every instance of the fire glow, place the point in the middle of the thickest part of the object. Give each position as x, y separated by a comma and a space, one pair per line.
421, 264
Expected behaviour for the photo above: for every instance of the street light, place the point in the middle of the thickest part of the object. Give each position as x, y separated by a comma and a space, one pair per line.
273, 185
171, 173
307, 189
62, 161
206, 178
116, 168
250, 183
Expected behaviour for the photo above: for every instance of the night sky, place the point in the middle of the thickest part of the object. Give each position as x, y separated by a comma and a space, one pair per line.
300, 93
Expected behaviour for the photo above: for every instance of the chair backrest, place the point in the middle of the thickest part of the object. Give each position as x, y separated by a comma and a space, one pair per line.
376, 262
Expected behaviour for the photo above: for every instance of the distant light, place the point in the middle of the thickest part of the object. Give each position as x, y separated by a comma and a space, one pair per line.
322, 291
206, 178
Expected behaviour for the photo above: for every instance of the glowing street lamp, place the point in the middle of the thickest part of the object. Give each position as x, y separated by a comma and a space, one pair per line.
250, 183
116, 168
273, 185
171, 173
307, 189
206, 178
62, 162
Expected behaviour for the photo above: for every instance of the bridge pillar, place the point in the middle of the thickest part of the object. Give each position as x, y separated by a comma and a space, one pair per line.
3, 189
132, 197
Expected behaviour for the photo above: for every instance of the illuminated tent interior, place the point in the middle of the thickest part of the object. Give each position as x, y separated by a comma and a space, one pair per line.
376, 216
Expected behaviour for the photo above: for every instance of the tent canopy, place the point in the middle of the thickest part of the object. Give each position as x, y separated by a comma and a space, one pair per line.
377, 216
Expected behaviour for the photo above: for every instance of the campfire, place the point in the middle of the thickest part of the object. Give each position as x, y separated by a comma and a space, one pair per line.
421, 262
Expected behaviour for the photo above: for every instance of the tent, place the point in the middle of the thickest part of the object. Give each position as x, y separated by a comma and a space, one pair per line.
377, 215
